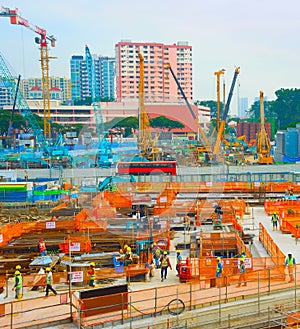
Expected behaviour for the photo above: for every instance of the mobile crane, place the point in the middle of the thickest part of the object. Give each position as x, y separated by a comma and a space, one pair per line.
263, 145
217, 146
42, 40
206, 146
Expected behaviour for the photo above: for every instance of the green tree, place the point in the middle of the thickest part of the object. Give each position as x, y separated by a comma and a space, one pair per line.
164, 122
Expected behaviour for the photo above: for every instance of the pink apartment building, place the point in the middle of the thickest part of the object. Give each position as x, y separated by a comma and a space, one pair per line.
159, 83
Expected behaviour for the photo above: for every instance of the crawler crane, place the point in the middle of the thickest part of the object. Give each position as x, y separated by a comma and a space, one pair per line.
263, 145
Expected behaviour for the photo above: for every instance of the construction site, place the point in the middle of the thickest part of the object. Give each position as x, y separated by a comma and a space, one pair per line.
147, 232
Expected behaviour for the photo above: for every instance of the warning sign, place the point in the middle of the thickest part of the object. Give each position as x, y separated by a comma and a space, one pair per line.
75, 246
77, 276
50, 225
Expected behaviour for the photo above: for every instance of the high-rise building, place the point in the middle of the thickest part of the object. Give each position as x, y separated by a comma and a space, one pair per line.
243, 107
105, 77
62, 83
159, 84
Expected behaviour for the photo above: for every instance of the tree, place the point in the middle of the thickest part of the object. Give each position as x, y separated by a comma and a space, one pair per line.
164, 122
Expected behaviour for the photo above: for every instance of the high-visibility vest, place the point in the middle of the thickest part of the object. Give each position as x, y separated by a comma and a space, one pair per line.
20, 283
179, 259
49, 278
42, 246
290, 261
164, 262
219, 267
242, 268
92, 273
274, 218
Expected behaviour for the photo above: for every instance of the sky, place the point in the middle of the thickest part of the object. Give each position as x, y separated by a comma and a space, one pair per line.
259, 36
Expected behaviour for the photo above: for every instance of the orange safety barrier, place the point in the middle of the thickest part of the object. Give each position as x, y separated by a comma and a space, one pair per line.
76, 244
281, 205
118, 199
273, 250
83, 223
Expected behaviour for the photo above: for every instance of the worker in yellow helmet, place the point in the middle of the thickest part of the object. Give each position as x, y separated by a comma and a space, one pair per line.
18, 284
91, 273
49, 282
164, 264
128, 257
274, 220
219, 268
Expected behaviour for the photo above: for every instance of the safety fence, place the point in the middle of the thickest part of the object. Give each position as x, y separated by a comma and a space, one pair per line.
176, 299
281, 206
208, 186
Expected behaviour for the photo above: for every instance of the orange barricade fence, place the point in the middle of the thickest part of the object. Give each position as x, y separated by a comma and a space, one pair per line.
273, 250
76, 244
60, 206
118, 199
281, 205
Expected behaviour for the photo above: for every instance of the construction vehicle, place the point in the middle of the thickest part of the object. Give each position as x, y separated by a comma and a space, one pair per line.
216, 157
42, 40
147, 145
263, 145
205, 144
104, 156
111, 183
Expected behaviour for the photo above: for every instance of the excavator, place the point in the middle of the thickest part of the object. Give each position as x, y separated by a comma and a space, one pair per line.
216, 157
263, 145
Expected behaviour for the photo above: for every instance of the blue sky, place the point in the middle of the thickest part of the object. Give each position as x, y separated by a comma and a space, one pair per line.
260, 36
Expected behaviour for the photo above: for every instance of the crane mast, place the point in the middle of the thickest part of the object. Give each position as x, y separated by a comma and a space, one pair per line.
42, 40
263, 142
218, 74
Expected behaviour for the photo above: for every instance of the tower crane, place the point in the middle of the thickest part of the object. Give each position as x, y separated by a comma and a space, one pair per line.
42, 40
104, 156
263, 145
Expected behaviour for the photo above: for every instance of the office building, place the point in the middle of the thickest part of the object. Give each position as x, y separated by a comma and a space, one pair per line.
243, 107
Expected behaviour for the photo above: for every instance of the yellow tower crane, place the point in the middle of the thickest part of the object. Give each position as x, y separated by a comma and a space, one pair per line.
218, 74
42, 40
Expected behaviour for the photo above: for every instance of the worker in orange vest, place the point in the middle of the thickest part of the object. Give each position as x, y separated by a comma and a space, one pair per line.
42, 247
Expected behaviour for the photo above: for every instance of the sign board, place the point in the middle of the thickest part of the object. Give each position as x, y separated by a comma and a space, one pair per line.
75, 246
163, 199
257, 184
208, 183
77, 276
248, 263
50, 225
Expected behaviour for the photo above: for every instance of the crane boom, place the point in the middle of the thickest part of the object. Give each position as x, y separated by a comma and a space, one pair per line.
205, 141
16, 19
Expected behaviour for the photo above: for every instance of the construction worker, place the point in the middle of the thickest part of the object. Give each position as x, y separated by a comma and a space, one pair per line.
242, 270
18, 284
49, 282
290, 263
128, 257
219, 267
18, 268
274, 221
42, 247
156, 251
178, 261
164, 264
91, 273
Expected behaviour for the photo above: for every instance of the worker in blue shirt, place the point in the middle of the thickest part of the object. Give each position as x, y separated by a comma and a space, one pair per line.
219, 268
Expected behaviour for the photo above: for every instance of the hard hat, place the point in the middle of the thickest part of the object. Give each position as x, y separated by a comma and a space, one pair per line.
17, 273
242, 259
41, 239
275, 213
154, 243
218, 258
290, 253
48, 269
125, 246
178, 251
18, 267
92, 264
165, 253
128, 249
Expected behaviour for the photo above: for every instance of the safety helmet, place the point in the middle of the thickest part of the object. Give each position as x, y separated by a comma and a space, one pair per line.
275, 213
218, 258
178, 251
242, 259
165, 253
17, 273
18, 267
92, 264
289, 254
125, 246
48, 269
154, 243
41, 239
